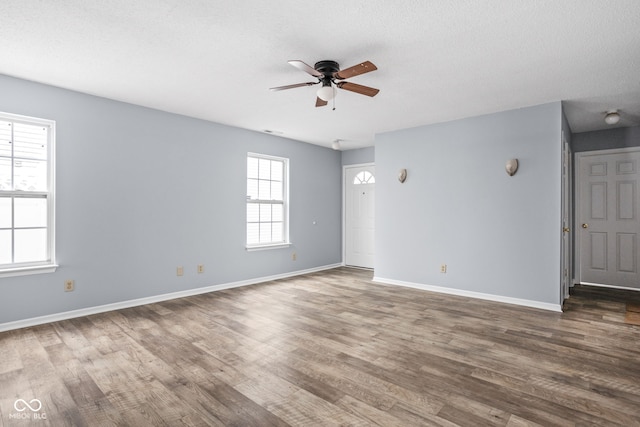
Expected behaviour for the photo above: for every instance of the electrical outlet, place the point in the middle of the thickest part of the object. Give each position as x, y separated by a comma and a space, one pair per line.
294, 256
69, 285
200, 268
443, 268
179, 271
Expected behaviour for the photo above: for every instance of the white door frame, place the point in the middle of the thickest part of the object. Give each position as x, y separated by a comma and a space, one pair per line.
566, 279
580, 157
344, 205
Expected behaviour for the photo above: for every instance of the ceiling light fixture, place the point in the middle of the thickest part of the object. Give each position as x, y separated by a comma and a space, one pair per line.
612, 117
335, 144
327, 92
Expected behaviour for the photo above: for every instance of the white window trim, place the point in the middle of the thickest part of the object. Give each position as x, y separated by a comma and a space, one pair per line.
253, 248
23, 271
50, 265
285, 205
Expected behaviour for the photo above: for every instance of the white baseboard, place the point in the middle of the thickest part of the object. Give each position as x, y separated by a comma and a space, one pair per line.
25, 323
470, 294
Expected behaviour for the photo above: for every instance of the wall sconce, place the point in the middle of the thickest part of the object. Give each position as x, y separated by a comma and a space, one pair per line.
402, 175
511, 167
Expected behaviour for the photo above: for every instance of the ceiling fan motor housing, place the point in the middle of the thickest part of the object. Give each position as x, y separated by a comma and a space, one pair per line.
328, 68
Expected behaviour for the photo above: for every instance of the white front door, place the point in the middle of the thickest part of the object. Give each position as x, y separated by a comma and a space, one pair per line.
359, 215
608, 224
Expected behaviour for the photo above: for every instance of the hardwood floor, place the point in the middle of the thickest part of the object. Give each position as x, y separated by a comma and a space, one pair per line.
324, 349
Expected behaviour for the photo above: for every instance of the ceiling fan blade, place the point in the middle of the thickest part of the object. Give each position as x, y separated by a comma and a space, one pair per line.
293, 86
306, 68
356, 70
362, 90
320, 102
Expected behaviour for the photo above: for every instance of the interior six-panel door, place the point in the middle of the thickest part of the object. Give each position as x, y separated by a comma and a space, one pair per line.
608, 218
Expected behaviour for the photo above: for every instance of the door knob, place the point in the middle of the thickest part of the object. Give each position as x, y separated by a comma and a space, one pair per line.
566, 229
585, 225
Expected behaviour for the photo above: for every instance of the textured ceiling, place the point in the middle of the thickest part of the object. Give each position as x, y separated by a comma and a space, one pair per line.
437, 60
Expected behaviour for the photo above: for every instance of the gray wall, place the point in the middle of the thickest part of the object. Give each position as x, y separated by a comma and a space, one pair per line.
140, 192
359, 156
607, 139
499, 235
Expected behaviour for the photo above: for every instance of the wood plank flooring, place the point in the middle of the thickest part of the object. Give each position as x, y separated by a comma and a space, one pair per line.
325, 349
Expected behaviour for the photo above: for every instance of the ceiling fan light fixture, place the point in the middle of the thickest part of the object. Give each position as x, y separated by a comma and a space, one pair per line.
327, 93
612, 117
327, 72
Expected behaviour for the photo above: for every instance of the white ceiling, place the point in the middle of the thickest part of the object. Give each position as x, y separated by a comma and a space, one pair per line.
437, 60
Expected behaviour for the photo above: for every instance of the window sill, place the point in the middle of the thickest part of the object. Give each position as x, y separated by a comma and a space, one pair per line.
24, 271
267, 247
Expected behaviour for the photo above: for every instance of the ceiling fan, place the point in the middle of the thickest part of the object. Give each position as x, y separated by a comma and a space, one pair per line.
330, 75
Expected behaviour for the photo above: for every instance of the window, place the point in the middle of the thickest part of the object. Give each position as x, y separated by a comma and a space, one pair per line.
267, 195
26, 195
364, 177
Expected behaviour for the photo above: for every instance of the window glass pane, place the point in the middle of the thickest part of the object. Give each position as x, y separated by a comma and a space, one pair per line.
30, 175
24, 168
253, 212
30, 245
29, 141
368, 177
5, 212
253, 234
264, 167
30, 212
5, 247
276, 230
276, 213
265, 213
265, 232
252, 189
277, 168
265, 204
264, 190
276, 190
5, 138
364, 177
5, 174
252, 167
